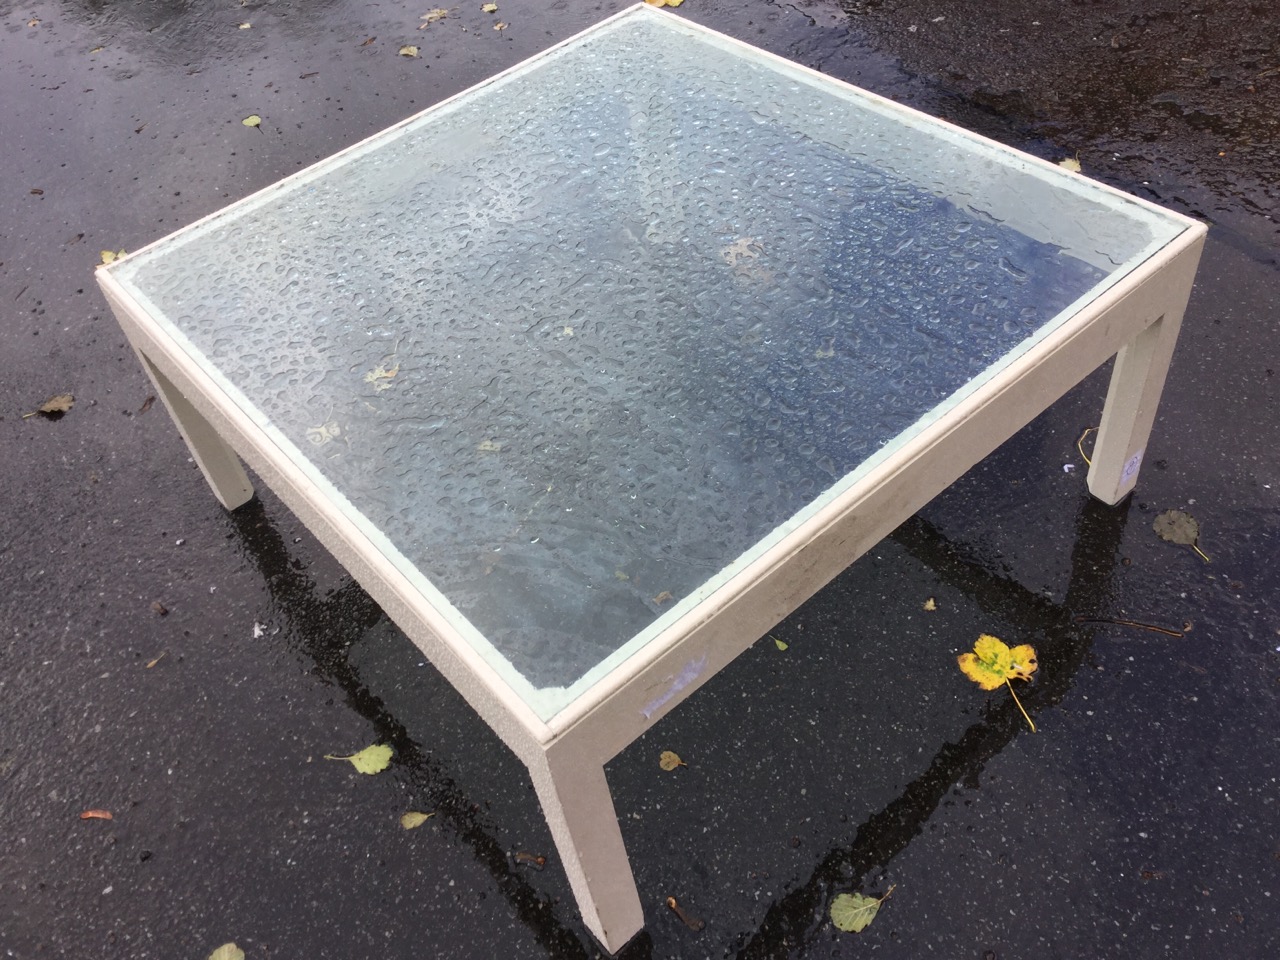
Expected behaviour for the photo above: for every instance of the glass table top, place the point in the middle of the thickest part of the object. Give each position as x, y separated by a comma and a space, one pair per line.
579, 343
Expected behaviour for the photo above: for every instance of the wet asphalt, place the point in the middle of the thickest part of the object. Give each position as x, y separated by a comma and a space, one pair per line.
1140, 821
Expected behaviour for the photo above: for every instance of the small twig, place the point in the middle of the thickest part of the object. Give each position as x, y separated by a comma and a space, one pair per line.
534, 860
1196, 548
1024, 714
1080, 446
1132, 623
693, 923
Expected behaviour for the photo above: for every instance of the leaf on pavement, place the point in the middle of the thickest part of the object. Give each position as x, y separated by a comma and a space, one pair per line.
669, 760
53, 408
1178, 526
372, 759
414, 818
228, 951
853, 912
992, 662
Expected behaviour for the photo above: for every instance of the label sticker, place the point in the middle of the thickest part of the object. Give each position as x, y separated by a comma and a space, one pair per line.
1131, 468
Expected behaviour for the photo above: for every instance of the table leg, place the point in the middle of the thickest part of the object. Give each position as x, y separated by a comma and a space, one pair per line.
579, 809
1137, 380
217, 461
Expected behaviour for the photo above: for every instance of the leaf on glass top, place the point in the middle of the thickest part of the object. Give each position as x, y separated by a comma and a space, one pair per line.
324, 433
489, 446
381, 376
992, 662
743, 248
372, 759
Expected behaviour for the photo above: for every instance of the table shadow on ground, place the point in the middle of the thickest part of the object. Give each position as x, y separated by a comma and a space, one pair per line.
328, 626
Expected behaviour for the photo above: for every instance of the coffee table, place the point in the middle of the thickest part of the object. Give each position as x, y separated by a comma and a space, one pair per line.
594, 372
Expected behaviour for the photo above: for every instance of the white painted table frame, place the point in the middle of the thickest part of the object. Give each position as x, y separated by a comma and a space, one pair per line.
1136, 320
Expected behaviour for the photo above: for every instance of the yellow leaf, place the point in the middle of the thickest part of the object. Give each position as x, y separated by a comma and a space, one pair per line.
930, 605
414, 818
669, 760
228, 951
664, 3
372, 759
1024, 662
253, 120
245, 26
489, 8
992, 662
780, 644
408, 50
431, 16
1070, 163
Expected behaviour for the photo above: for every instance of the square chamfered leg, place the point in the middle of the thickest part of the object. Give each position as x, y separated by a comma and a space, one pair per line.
1137, 380
579, 810
216, 460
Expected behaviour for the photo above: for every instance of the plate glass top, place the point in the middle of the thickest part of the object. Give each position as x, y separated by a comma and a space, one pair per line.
581, 341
